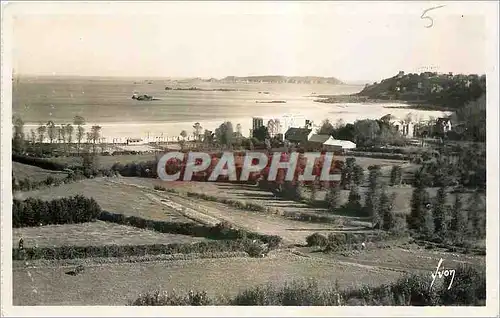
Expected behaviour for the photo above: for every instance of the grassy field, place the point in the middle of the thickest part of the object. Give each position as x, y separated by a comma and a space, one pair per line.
116, 284
93, 234
112, 197
402, 257
293, 231
22, 171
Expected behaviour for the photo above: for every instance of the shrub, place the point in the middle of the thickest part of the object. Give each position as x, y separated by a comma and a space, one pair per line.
159, 188
316, 239
468, 287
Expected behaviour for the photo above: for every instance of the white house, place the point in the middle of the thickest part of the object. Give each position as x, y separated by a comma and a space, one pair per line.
327, 142
135, 141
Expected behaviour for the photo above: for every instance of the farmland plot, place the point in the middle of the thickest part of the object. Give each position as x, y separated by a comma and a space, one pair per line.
22, 171
116, 284
93, 234
112, 197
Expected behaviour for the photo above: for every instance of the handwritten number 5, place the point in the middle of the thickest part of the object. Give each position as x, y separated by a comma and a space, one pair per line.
423, 16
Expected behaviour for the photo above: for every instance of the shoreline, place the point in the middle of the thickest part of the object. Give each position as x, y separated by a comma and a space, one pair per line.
416, 105
170, 130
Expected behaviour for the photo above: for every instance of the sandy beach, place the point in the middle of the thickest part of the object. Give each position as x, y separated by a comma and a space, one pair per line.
108, 103
168, 131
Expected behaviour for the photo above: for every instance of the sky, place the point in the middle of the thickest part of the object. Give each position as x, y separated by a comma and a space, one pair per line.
191, 40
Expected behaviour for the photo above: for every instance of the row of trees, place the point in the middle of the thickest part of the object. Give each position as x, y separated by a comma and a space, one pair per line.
435, 219
62, 134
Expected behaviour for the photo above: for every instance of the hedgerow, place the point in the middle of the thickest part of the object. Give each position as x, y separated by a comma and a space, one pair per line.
77, 252
221, 231
33, 212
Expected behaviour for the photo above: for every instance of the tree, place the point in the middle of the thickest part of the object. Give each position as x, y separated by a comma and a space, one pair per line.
51, 130
183, 134
225, 134
366, 131
396, 175
33, 136
386, 215
358, 175
69, 133
458, 224
332, 197
354, 199
261, 133
197, 131
347, 132
440, 213
95, 134
347, 173
41, 133
62, 134
372, 198
18, 135
208, 137
326, 128
419, 202
477, 215
239, 130
79, 121
427, 223
473, 117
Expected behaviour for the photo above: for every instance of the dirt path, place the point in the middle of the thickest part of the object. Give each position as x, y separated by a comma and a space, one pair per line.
293, 232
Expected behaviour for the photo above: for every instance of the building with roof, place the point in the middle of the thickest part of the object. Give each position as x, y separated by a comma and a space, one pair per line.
317, 142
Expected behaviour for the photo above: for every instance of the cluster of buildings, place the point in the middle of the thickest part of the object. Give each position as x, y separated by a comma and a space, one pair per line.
310, 141
298, 131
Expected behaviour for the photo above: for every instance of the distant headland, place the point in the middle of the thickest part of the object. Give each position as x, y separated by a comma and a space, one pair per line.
278, 79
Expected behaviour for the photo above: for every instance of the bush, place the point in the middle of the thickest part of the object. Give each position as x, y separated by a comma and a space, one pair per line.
159, 188
157, 298
316, 239
468, 287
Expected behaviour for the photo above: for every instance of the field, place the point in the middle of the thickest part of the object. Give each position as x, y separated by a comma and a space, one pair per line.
400, 256
112, 197
116, 284
22, 171
135, 196
120, 281
93, 234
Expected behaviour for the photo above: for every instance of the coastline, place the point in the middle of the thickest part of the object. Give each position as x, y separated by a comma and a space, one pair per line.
416, 105
170, 130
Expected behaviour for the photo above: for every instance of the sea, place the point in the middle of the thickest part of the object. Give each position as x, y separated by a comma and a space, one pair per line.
108, 102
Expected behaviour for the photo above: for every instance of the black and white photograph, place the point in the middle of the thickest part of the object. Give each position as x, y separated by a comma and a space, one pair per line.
299, 154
